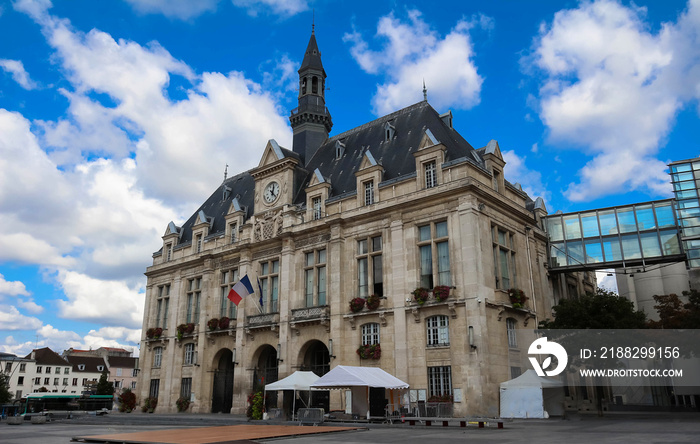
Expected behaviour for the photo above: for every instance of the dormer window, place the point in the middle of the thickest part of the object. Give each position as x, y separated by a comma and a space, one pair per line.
316, 203
234, 228
81, 367
430, 175
100, 368
198, 243
496, 180
369, 192
389, 131
339, 149
168, 252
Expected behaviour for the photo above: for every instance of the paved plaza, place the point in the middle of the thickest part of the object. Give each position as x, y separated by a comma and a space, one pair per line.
613, 428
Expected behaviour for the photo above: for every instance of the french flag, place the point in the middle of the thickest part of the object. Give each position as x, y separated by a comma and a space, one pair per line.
242, 289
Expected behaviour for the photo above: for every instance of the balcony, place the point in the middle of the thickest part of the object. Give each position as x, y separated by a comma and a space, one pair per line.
266, 321
306, 316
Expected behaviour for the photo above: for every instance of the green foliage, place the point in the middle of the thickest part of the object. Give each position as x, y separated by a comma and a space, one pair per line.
602, 310
674, 313
370, 351
5, 395
255, 406
104, 386
127, 401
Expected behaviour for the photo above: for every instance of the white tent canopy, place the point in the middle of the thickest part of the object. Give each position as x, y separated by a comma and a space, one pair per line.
359, 381
344, 377
531, 396
295, 381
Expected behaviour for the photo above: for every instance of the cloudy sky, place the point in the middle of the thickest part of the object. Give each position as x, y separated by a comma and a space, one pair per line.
119, 116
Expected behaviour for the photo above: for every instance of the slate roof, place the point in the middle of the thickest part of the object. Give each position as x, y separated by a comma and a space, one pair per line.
46, 356
122, 362
395, 156
90, 362
312, 56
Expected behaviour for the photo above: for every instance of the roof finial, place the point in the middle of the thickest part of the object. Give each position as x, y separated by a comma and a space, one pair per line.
225, 172
313, 20
425, 92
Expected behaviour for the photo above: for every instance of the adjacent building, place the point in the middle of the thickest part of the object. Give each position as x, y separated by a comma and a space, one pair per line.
401, 211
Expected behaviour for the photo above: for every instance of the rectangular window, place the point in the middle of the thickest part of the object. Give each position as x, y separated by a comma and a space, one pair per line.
18, 394
227, 308
37, 381
370, 277
154, 388
315, 278
8, 367
438, 330
168, 252
157, 356
38, 369
510, 328
369, 192
515, 372
189, 354
434, 255
85, 382
66, 371
316, 205
48, 370
198, 243
119, 372
20, 380
22, 368
194, 294
58, 370
47, 381
117, 384
440, 381
370, 334
503, 258
65, 382
55, 381
269, 282
430, 175
133, 385
75, 381
186, 388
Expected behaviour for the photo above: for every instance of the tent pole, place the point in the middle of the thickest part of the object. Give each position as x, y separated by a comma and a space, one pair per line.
294, 404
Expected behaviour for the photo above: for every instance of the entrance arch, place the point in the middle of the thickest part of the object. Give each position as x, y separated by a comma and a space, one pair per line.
316, 358
266, 372
222, 390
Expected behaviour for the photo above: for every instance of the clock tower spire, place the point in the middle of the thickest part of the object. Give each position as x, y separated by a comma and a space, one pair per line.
311, 121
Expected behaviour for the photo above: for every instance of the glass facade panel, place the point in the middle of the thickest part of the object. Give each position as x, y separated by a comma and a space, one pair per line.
625, 219
589, 221
594, 252
680, 168
557, 254
575, 252
608, 223
664, 215
572, 227
554, 228
630, 247
645, 217
611, 249
669, 242
650, 245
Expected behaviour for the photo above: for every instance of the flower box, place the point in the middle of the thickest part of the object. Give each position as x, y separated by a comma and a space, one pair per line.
373, 302
420, 295
357, 304
370, 351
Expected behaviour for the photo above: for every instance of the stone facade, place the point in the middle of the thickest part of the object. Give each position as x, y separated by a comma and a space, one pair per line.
399, 203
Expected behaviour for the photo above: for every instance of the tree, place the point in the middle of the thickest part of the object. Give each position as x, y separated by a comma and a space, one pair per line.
104, 387
5, 395
674, 313
602, 310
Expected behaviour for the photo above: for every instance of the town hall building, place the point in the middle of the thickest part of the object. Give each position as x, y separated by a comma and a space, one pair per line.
395, 244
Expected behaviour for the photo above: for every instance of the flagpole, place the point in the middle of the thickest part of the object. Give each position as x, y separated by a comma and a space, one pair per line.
259, 304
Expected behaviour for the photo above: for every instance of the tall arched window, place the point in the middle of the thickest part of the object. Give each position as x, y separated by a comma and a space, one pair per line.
314, 85
157, 356
303, 86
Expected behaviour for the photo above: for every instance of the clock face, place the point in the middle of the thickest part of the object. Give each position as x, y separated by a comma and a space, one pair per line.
272, 191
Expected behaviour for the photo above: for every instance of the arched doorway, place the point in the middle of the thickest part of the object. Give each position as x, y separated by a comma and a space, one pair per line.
222, 390
266, 372
317, 359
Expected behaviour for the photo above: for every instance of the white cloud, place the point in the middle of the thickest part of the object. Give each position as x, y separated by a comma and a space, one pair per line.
613, 88
180, 9
31, 306
12, 288
110, 303
517, 172
12, 319
283, 8
16, 69
412, 53
49, 332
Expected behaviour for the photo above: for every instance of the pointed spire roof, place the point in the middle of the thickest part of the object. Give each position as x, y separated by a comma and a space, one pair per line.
312, 56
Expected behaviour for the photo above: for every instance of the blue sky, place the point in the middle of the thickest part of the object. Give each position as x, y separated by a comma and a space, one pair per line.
119, 116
